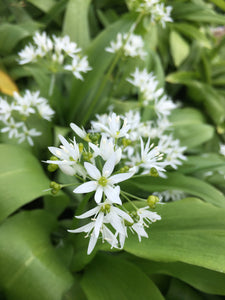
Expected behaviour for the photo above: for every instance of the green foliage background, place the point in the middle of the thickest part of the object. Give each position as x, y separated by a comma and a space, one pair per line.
184, 257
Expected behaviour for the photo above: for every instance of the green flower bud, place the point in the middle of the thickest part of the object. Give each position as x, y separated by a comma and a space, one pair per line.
87, 156
152, 200
56, 187
153, 172
94, 137
134, 216
52, 167
124, 169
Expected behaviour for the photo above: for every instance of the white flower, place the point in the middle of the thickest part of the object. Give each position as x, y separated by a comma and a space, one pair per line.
173, 195
103, 183
105, 213
43, 42
106, 149
27, 55
145, 217
80, 132
112, 126
23, 104
78, 66
69, 156
164, 106
5, 109
45, 111
64, 44
131, 44
12, 127
162, 14
27, 134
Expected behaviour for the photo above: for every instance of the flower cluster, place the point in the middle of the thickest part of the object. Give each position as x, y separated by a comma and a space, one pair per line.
55, 53
158, 12
113, 151
170, 195
130, 44
14, 115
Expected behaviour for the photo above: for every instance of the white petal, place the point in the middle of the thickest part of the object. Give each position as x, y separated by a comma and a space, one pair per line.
98, 194
109, 166
92, 243
86, 228
120, 177
81, 133
98, 223
86, 187
88, 213
122, 214
112, 195
92, 170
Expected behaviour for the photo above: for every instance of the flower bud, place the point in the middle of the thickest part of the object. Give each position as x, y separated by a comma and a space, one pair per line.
126, 142
152, 200
153, 172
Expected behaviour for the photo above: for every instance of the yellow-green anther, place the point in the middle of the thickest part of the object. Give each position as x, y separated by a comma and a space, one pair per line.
153, 172
152, 200
103, 181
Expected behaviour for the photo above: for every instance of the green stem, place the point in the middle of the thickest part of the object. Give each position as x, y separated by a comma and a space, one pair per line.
52, 84
134, 197
131, 202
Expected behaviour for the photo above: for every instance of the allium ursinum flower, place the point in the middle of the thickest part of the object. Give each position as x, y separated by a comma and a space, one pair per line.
111, 126
172, 150
222, 149
103, 182
158, 12
15, 114
104, 214
106, 149
58, 53
163, 106
69, 156
130, 44
172, 195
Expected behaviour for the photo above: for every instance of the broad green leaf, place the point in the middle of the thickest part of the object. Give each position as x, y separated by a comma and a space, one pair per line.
10, 35
175, 181
76, 22
205, 280
30, 268
219, 3
205, 162
179, 48
190, 231
22, 179
178, 288
109, 277
186, 116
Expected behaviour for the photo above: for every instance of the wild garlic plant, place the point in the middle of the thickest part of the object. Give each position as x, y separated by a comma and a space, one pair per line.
15, 114
115, 149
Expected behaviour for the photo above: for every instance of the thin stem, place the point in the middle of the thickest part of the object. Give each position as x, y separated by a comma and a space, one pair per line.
52, 84
134, 197
131, 202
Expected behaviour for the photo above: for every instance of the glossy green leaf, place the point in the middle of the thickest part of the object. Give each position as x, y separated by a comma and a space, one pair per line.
76, 22
44, 5
22, 179
190, 231
108, 277
205, 280
179, 48
182, 77
30, 268
175, 181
